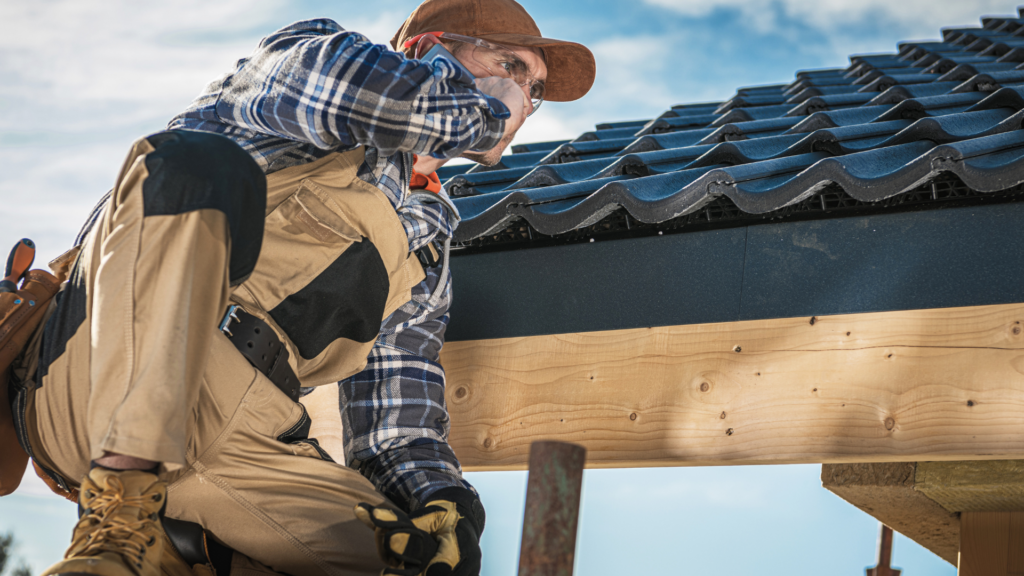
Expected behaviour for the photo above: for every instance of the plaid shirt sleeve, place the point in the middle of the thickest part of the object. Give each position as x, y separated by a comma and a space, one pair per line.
314, 82
395, 422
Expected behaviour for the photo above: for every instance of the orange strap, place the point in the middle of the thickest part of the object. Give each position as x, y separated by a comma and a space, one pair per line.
412, 41
72, 495
429, 182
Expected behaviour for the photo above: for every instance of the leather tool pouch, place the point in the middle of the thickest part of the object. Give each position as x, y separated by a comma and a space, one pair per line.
20, 314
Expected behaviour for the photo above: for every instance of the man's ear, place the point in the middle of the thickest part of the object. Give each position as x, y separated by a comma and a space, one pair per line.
425, 43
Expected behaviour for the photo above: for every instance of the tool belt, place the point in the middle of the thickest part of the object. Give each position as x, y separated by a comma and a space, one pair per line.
258, 342
22, 309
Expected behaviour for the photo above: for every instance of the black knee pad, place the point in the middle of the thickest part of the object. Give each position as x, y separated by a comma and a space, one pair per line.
191, 170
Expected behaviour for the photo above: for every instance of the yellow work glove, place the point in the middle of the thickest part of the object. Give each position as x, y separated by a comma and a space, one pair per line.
440, 539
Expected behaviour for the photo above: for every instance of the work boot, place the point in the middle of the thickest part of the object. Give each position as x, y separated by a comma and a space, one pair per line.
119, 532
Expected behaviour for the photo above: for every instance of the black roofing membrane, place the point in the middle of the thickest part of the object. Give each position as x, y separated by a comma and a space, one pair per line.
879, 128
964, 256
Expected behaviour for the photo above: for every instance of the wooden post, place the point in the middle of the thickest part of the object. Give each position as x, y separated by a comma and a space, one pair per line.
991, 544
553, 493
884, 566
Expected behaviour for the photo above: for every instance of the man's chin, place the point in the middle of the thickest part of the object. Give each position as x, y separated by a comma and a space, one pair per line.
488, 158
492, 156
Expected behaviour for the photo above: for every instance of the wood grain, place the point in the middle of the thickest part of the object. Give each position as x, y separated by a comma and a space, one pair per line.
991, 544
941, 384
323, 409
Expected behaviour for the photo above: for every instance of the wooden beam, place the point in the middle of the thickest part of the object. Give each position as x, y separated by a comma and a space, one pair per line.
993, 486
991, 544
942, 384
887, 491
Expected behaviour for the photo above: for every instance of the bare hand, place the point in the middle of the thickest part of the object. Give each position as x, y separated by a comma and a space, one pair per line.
511, 95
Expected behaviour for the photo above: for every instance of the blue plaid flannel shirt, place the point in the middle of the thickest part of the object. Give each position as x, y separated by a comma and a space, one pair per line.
311, 89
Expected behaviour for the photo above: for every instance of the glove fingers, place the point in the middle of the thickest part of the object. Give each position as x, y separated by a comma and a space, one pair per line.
413, 547
381, 517
434, 519
470, 557
363, 512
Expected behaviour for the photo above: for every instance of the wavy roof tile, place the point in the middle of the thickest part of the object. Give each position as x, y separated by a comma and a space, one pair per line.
885, 126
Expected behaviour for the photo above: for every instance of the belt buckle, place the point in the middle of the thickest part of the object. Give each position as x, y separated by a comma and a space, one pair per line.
230, 315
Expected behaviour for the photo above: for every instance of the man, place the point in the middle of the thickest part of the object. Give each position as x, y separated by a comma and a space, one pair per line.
278, 207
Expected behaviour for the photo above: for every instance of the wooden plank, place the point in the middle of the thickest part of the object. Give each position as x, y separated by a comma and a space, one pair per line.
993, 486
888, 492
991, 544
322, 406
944, 384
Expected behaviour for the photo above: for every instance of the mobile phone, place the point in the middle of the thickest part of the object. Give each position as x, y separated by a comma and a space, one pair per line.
439, 51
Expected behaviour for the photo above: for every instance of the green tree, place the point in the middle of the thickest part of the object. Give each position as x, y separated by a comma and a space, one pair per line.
6, 549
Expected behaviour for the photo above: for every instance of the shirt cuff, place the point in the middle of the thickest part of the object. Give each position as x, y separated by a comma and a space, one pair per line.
497, 108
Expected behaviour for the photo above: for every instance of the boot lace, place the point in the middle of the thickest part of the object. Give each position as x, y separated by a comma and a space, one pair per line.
110, 531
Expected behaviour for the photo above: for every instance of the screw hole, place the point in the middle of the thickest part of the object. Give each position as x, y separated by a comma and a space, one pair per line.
250, 344
256, 330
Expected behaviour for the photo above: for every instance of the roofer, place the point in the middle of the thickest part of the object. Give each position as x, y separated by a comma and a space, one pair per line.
278, 207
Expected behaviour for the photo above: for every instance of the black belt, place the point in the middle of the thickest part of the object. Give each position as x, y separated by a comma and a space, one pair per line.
256, 340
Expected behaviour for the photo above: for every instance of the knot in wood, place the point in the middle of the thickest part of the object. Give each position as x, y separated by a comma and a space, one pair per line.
970, 403
889, 423
722, 416
461, 392
813, 320
729, 432
737, 349
704, 387
632, 416
488, 442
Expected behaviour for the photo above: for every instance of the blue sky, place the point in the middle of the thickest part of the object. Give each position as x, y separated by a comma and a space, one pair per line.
83, 78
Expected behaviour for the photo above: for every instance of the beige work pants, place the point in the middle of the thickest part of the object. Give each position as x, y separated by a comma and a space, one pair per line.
132, 363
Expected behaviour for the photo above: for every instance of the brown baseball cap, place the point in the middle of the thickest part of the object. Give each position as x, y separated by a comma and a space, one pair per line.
571, 66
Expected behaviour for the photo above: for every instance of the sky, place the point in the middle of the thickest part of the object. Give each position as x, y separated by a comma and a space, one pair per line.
82, 79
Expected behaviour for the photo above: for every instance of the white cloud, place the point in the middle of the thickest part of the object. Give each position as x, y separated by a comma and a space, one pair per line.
920, 17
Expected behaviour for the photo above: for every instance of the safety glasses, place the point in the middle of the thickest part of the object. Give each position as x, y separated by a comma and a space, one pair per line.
498, 60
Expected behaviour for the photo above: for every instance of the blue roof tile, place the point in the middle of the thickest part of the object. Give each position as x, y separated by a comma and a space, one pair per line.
882, 127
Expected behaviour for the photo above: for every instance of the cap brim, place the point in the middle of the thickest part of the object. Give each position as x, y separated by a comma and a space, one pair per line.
571, 66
